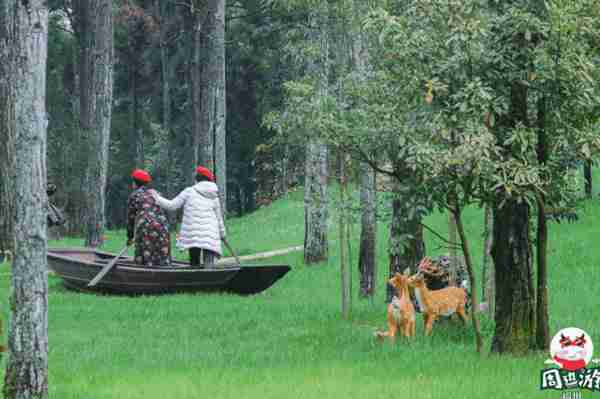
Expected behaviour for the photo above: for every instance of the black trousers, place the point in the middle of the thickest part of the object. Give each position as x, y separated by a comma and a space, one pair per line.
202, 257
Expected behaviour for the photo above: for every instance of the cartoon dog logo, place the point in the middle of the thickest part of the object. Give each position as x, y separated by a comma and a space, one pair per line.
571, 349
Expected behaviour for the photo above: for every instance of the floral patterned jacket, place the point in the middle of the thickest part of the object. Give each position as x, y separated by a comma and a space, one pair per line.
142, 211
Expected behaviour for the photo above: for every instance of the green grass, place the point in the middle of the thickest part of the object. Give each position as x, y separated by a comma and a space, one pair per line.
290, 341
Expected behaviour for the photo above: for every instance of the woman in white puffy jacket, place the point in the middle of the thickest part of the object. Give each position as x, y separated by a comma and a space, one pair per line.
202, 228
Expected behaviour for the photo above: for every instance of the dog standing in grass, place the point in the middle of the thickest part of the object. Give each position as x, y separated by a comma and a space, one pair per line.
434, 304
400, 312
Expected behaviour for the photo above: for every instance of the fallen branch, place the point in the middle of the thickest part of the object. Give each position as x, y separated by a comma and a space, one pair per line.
260, 255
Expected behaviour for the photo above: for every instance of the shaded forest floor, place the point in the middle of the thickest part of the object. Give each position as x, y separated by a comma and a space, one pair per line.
290, 341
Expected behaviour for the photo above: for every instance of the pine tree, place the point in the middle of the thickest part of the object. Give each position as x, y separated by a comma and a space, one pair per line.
27, 369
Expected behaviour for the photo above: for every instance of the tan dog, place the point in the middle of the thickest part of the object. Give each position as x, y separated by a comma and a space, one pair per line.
437, 303
400, 312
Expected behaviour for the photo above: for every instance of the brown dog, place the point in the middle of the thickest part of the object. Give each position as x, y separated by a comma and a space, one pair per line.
437, 303
400, 312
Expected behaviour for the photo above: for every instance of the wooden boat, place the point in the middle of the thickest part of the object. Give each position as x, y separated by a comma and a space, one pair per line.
77, 267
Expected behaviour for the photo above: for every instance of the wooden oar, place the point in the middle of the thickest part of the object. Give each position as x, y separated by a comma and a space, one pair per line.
233, 253
107, 268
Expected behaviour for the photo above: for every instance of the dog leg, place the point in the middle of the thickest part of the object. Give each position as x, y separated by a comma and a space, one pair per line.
409, 327
429, 319
392, 333
405, 327
392, 324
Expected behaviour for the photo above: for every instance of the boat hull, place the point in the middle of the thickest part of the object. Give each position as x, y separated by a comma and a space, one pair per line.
77, 267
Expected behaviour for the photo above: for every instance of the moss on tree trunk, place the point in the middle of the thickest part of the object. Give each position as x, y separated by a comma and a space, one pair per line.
514, 315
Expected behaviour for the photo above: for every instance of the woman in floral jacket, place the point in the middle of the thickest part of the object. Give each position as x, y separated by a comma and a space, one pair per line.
148, 223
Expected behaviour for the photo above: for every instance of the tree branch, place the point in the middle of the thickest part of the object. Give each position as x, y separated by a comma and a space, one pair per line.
363, 156
445, 240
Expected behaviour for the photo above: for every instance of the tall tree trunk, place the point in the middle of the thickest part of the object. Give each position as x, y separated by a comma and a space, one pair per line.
488, 281
315, 204
211, 134
514, 315
452, 235
285, 161
195, 71
208, 92
138, 137
7, 127
27, 370
249, 188
406, 246
213, 97
367, 259
367, 265
75, 155
587, 173
96, 108
511, 251
165, 153
315, 194
344, 238
542, 327
456, 217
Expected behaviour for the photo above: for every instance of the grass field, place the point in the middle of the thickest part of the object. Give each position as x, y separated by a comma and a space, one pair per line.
290, 341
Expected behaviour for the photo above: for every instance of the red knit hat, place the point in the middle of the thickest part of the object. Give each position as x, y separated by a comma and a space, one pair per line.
141, 175
205, 172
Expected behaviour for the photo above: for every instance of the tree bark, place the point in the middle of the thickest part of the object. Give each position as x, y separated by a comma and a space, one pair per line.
542, 318
587, 173
194, 25
511, 250
452, 234
514, 315
367, 265
488, 266
406, 246
344, 238
75, 154
208, 93
213, 97
165, 153
315, 204
27, 370
456, 217
368, 233
138, 136
7, 126
96, 107
316, 174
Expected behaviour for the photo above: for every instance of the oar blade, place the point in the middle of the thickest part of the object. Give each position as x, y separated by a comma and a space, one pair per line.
106, 269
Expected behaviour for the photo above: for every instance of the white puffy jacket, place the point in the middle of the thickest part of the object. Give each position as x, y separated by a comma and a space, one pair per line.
202, 225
